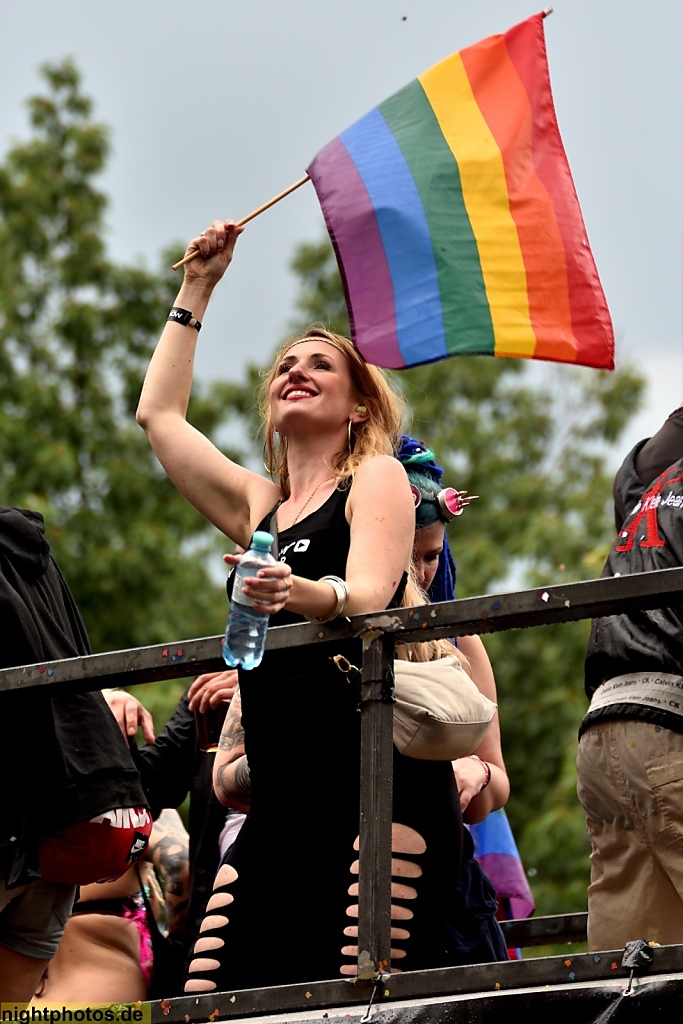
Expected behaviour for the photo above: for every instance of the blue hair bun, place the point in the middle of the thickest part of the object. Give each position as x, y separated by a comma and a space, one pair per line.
413, 453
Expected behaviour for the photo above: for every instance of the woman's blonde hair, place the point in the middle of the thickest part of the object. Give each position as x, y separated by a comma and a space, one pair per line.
430, 650
378, 434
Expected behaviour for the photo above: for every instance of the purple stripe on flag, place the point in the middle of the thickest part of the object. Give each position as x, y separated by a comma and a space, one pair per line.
405, 235
509, 881
360, 253
496, 850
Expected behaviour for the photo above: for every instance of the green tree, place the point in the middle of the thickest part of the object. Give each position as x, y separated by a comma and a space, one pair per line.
536, 443
76, 334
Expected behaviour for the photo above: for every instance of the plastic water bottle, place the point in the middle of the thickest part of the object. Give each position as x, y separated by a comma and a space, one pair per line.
245, 633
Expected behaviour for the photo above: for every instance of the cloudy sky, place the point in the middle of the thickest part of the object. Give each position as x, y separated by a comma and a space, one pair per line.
216, 106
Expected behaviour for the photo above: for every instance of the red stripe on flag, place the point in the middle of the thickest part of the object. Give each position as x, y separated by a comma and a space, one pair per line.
591, 321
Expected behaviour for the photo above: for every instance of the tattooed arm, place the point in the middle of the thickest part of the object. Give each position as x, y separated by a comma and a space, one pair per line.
231, 778
169, 853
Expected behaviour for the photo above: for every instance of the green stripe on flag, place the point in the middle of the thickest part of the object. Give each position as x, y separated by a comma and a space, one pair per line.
466, 313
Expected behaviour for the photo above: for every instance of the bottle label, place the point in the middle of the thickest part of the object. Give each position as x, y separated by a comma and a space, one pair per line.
238, 595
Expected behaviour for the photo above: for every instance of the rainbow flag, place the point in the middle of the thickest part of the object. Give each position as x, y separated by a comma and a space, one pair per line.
496, 850
455, 221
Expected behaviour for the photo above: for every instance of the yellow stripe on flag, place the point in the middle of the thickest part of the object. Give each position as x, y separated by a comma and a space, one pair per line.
484, 190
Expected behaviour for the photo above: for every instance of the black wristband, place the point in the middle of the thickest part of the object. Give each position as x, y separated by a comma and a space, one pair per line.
184, 317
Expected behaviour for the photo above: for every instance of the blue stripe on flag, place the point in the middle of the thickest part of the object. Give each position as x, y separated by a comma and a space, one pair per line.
405, 236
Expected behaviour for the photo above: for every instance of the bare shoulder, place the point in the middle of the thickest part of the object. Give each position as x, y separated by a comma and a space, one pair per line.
382, 470
382, 484
381, 464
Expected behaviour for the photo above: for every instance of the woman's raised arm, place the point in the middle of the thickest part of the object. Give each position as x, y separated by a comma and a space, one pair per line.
229, 496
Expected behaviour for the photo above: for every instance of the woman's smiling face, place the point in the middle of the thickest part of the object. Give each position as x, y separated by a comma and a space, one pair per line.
313, 379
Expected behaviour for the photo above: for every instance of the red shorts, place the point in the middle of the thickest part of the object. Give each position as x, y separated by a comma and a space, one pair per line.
100, 850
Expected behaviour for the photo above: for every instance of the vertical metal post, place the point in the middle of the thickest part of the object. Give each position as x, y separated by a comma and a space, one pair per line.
376, 790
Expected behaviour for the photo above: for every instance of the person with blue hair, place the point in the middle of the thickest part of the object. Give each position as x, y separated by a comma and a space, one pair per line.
482, 780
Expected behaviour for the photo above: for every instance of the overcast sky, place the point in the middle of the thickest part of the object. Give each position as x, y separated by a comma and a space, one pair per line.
216, 106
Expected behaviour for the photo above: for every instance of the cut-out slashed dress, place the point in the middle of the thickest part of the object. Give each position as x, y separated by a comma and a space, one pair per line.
290, 866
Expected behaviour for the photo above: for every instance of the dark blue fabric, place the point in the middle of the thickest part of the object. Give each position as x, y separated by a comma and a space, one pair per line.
475, 931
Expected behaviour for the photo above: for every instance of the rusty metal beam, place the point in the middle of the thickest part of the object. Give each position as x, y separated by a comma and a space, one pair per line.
545, 931
488, 614
376, 773
578, 973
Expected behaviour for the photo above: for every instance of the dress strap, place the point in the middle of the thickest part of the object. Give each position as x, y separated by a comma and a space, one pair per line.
272, 529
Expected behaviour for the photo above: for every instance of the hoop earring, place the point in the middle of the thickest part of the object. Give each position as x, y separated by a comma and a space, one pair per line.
350, 439
268, 469
270, 456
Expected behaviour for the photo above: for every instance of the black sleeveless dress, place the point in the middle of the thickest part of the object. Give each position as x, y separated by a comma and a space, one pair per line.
294, 853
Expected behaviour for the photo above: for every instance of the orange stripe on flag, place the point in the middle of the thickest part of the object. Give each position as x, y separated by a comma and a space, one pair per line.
492, 75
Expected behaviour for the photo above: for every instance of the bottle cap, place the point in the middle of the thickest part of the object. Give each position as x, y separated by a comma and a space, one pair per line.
262, 540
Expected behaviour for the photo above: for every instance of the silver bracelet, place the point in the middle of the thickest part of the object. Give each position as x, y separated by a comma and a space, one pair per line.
341, 590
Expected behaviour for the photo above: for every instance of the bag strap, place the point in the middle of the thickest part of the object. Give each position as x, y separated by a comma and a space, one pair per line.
272, 530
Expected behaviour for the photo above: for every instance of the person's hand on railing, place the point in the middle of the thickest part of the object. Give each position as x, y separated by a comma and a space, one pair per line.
211, 688
130, 714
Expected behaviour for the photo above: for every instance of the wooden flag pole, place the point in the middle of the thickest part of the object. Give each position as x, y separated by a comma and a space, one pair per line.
250, 216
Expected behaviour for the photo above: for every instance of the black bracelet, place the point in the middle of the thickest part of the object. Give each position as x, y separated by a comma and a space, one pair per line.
184, 317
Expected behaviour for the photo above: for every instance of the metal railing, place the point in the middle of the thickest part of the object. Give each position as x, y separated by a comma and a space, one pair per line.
379, 632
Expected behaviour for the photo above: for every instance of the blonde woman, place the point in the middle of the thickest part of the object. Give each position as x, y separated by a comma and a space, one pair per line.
341, 506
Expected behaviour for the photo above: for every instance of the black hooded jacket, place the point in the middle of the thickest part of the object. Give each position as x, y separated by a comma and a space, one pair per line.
650, 641
63, 759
